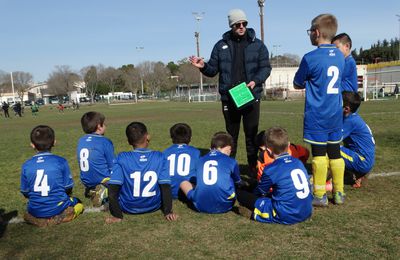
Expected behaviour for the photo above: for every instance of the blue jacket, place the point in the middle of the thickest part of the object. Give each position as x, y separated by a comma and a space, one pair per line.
256, 59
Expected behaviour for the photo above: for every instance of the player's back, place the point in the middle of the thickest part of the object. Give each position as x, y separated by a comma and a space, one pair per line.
182, 159
291, 196
139, 172
358, 137
349, 78
95, 157
44, 179
216, 175
321, 71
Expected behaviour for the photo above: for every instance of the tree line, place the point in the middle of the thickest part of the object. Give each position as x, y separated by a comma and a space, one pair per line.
380, 51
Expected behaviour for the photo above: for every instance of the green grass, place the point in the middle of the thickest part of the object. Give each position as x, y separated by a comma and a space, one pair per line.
366, 226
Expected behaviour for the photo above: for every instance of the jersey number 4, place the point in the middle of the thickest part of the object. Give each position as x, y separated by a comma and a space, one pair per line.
41, 184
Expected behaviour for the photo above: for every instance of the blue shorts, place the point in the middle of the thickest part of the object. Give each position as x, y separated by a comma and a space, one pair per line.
355, 162
263, 211
211, 205
323, 138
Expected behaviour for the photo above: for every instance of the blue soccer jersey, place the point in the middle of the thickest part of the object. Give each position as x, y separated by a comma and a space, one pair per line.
349, 77
95, 157
291, 196
216, 175
44, 181
139, 173
357, 137
320, 73
182, 159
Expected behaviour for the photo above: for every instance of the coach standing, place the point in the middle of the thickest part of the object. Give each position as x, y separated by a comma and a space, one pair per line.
239, 57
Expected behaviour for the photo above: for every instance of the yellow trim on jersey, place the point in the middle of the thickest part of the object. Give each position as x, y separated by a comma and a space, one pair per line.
261, 214
334, 142
273, 213
60, 203
233, 195
105, 180
314, 142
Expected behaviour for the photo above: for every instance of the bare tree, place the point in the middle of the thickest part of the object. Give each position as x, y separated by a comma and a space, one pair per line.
90, 77
22, 81
130, 78
109, 76
62, 80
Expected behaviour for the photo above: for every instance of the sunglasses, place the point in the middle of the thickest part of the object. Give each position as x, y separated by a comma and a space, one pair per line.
238, 25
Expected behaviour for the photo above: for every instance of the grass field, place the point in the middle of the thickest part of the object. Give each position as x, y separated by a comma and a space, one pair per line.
366, 226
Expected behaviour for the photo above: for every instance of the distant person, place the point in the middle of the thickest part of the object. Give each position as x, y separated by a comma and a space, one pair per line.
181, 156
46, 182
320, 74
239, 57
217, 174
5, 108
18, 109
60, 108
139, 181
358, 150
95, 154
291, 199
34, 109
349, 76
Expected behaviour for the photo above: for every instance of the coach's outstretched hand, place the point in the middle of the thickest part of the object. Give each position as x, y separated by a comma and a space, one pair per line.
111, 220
171, 217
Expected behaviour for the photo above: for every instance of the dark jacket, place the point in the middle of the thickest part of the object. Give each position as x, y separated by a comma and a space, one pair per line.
256, 58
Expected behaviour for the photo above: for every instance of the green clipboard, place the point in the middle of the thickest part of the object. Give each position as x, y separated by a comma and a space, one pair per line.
241, 95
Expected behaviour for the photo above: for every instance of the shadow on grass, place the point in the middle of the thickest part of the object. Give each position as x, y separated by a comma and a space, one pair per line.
4, 219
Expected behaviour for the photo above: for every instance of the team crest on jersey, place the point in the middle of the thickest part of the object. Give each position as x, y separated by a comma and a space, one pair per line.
225, 47
332, 53
40, 160
143, 158
89, 139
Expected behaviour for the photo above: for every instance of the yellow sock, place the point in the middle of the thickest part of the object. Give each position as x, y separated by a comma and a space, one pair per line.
337, 169
78, 209
320, 170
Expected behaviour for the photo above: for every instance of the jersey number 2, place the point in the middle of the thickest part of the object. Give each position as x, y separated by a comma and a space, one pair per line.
333, 72
41, 183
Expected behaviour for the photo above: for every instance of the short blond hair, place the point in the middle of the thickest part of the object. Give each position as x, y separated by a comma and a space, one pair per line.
277, 140
326, 24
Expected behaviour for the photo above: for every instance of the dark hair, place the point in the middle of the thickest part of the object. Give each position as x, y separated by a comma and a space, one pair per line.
91, 120
344, 38
352, 100
135, 132
42, 137
221, 140
260, 138
276, 139
181, 133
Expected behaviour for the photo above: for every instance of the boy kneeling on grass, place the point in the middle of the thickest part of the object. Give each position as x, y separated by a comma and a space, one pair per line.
216, 177
47, 183
139, 180
291, 199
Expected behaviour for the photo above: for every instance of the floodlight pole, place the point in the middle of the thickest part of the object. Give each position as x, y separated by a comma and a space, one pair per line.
12, 86
276, 47
198, 17
140, 48
261, 4
398, 17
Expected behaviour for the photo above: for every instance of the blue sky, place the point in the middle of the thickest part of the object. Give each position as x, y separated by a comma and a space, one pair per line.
37, 35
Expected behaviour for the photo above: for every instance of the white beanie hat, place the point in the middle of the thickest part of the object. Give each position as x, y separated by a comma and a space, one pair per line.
236, 15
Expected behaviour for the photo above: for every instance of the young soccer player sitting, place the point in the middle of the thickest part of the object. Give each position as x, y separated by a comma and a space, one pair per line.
139, 181
349, 76
291, 198
181, 156
216, 176
320, 74
47, 183
95, 157
265, 156
358, 151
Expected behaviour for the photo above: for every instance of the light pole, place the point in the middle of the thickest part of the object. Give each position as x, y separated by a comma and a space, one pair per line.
276, 53
261, 4
12, 86
398, 18
140, 48
198, 17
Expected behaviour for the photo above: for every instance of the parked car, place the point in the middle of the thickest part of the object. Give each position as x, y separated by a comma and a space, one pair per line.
39, 102
28, 103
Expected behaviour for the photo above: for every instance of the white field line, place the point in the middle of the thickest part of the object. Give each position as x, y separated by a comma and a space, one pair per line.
121, 104
17, 220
